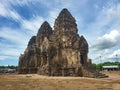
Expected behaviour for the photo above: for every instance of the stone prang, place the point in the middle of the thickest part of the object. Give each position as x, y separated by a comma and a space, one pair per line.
58, 52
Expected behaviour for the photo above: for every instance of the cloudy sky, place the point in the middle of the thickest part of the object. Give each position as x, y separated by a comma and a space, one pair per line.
97, 20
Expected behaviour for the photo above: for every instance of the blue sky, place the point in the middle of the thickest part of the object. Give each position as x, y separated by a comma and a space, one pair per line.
97, 20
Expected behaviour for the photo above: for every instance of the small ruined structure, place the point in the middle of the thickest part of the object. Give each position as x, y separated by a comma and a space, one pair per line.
58, 52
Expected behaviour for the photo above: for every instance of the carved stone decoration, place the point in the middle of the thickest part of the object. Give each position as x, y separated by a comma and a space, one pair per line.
58, 52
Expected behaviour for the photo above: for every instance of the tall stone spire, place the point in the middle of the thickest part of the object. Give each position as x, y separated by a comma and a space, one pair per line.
65, 22
44, 31
32, 41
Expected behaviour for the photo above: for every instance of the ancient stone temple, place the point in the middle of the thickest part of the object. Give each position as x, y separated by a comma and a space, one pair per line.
59, 51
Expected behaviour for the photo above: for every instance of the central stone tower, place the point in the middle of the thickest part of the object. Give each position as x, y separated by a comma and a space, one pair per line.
58, 52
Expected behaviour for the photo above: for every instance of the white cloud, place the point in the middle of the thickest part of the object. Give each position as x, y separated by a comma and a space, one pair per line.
107, 41
14, 36
14, 42
3, 57
106, 27
11, 52
113, 55
100, 56
18, 38
52, 16
7, 11
106, 20
18, 2
113, 12
33, 24
114, 36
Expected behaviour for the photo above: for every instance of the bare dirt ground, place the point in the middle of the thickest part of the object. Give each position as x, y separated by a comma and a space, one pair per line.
38, 82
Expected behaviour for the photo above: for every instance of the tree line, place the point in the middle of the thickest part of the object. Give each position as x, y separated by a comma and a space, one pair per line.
9, 66
100, 65
96, 66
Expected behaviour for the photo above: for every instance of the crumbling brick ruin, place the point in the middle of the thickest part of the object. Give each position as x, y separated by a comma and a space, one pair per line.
58, 52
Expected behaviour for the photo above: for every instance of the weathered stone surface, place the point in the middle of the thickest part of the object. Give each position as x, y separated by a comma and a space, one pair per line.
58, 52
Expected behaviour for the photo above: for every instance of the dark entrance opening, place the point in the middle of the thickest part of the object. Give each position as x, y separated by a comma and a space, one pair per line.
82, 60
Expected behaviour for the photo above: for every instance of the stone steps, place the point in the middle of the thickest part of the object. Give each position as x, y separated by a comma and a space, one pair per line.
92, 73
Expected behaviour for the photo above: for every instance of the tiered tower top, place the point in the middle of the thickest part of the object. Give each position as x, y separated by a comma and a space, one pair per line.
65, 22
45, 29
